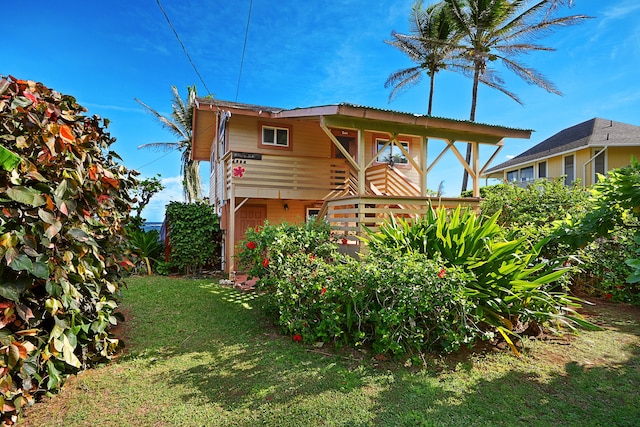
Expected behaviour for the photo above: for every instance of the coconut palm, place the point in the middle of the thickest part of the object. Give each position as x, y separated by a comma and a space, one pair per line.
501, 30
430, 45
434, 46
180, 124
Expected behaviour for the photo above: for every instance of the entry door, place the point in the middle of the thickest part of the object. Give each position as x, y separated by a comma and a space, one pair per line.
248, 216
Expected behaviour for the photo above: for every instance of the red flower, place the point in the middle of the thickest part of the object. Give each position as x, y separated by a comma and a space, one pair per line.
251, 245
265, 262
619, 287
238, 171
324, 289
608, 296
344, 241
312, 257
441, 273
297, 337
566, 264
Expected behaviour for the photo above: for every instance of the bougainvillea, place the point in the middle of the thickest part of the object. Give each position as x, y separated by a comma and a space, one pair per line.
64, 201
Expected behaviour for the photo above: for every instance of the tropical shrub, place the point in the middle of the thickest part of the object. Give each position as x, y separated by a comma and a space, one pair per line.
194, 236
509, 290
414, 304
63, 253
147, 246
533, 211
269, 243
615, 211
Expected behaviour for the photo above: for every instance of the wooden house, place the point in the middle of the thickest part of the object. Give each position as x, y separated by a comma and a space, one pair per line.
580, 152
351, 164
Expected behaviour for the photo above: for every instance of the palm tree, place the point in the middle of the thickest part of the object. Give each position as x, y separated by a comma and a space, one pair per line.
434, 46
501, 30
431, 45
180, 124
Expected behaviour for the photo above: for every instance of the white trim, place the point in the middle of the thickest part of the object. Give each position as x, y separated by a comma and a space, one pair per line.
561, 153
275, 135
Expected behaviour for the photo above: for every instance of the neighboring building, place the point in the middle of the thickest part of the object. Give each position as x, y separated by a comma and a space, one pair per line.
350, 164
580, 152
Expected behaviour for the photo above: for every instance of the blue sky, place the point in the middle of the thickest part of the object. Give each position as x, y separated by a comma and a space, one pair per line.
301, 53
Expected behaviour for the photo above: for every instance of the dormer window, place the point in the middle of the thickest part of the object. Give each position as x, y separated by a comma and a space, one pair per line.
276, 136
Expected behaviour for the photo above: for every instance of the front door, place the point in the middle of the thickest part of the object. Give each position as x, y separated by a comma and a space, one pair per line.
248, 217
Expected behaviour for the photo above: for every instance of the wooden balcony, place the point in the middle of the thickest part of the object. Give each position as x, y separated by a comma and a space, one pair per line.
285, 177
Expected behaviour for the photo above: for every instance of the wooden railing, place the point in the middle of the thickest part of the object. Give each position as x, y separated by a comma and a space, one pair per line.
286, 177
348, 216
391, 182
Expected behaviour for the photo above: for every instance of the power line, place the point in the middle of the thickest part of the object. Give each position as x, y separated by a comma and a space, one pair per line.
244, 48
184, 48
153, 161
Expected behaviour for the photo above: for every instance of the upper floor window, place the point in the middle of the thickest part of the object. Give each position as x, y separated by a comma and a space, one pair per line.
276, 136
513, 176
391, 153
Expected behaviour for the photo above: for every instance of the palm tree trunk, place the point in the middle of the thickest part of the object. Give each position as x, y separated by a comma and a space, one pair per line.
431, 86
472, 117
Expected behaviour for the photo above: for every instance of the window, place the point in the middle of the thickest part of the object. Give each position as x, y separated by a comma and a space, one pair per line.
569, 170
526, 174
513, 176
599, 165
312, 213
542, 170
391, 154
275, 136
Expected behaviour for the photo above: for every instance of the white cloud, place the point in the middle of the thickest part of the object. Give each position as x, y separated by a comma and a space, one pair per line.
509, 156
154, 211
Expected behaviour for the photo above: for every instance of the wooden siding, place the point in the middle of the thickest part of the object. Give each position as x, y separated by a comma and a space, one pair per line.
286, 177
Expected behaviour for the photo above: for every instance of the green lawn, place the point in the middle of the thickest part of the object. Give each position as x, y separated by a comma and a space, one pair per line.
202, 355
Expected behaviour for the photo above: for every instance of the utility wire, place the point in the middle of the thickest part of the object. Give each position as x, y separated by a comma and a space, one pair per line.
244, 48
153, 161
183, 48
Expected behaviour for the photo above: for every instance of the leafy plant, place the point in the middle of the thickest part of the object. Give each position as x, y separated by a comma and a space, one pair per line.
194, 235
63, 253
510, 291
147, 245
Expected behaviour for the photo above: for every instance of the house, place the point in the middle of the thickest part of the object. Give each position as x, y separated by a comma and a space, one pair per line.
351, 164
580, 152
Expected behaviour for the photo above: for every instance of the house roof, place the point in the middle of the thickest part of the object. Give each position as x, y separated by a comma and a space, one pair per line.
340, 108
596, 132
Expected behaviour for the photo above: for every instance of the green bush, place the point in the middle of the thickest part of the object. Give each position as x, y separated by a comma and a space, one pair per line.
194, 236
509, 290
63, 252
415, 304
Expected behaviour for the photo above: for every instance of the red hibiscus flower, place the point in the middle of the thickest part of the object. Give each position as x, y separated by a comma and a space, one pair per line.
265, 262
441, 273
238, 172
251, 245
344, 241
297, 337
323, 290
608, 296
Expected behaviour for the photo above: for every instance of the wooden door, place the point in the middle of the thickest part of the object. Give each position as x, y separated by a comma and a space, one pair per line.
248, 216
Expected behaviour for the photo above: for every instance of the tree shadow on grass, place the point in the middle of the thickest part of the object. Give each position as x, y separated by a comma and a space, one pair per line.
239, 363
237, 360
576, 396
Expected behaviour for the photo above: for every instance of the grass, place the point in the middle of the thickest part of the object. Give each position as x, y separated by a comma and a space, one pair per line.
203, 355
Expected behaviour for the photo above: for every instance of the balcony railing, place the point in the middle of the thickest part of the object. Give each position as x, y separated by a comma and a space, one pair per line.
286, 177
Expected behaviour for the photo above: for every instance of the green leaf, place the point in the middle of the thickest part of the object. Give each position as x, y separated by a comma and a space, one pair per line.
21, 262
40, 270
8, 159
26, 195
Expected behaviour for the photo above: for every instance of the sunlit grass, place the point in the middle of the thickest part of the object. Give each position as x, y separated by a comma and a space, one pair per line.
202, 355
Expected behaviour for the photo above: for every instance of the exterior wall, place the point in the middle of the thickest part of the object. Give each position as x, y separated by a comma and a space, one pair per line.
616, 157
306, 138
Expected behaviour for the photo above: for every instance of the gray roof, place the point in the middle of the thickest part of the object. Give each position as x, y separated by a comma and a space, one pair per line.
592, 133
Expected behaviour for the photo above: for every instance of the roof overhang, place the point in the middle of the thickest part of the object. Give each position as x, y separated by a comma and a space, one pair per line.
352, 117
